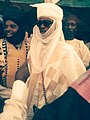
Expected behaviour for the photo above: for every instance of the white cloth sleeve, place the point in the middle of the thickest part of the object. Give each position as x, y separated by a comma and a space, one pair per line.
15, 107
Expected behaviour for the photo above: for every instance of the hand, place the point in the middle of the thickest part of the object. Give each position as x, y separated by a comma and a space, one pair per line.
27, 36
22, 73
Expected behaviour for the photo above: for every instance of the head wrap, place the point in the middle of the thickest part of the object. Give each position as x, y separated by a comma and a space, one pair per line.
51, 1
22, 19
43, 45
45, 9
14, 13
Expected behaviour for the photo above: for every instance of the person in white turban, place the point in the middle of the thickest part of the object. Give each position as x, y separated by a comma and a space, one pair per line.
54, 64
70, 26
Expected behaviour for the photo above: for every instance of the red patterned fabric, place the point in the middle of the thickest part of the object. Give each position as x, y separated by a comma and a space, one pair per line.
82, 86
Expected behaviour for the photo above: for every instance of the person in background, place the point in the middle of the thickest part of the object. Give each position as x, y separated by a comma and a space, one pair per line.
54, 64
16, 107
74, 104
70, 23
15, 46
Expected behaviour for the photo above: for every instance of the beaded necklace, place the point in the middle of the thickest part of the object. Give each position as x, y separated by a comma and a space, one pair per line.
35, 107
44, 91
5, 51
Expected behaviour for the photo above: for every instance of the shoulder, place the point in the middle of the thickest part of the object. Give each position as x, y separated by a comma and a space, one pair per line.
81, 44
78, 41
66, 49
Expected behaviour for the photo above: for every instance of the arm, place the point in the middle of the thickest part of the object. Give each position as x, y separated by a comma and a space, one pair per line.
15, 107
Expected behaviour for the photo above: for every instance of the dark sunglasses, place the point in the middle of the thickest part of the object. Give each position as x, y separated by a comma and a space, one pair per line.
46, 23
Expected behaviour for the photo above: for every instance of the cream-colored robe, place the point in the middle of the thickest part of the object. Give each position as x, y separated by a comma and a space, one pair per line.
63, 68
52, 57
81, 50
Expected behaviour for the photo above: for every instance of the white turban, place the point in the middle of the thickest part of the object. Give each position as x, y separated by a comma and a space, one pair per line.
49, 10
43, 45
